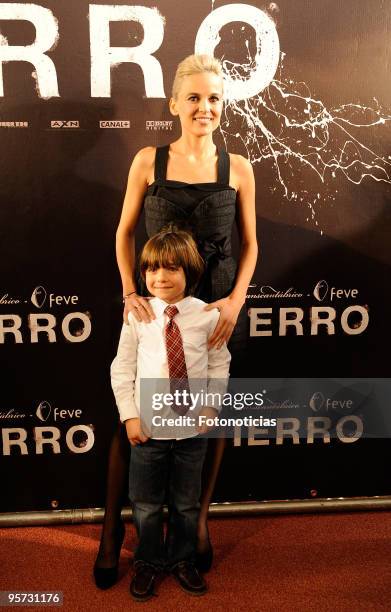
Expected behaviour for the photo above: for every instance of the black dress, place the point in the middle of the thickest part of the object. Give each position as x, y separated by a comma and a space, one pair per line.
208, 210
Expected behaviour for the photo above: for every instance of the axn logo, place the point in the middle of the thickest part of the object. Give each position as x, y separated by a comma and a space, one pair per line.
63, 124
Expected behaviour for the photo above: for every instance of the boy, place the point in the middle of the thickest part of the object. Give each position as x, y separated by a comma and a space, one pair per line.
171, 346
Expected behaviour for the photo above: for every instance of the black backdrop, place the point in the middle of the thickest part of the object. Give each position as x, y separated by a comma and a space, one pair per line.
318, 135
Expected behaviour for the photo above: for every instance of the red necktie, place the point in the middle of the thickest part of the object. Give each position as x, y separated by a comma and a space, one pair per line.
176, 358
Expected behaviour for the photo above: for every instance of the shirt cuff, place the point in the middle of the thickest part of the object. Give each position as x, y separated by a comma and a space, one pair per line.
127, 410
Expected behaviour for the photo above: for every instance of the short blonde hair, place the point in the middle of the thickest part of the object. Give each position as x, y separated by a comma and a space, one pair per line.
195, 64
173, 246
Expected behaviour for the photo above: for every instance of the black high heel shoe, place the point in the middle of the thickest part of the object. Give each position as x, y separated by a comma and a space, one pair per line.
106, 577
204, 558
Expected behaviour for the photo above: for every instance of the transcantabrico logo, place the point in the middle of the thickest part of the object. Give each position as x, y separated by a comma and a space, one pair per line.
329, 314
45, 411
38, 296
323, 291
42, 326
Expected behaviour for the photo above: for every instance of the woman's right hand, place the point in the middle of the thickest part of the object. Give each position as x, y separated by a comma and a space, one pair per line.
139, 307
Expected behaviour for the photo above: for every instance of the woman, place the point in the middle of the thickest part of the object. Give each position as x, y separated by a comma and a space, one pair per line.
193, 183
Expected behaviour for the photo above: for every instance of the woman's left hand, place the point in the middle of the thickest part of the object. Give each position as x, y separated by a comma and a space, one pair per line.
229, 312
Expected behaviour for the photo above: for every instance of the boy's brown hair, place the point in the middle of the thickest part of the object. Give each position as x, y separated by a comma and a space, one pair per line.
173, 246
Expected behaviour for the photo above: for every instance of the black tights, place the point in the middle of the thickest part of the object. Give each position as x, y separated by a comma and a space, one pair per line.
116, 495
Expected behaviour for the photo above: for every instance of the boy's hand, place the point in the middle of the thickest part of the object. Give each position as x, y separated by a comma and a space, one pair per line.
134, 431
209, 413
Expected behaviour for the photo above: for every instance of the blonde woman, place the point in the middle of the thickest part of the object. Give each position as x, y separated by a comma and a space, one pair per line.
204, 189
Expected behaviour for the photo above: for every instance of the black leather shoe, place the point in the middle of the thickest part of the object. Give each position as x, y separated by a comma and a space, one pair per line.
204, 558
106, 577
189, 579
143, 581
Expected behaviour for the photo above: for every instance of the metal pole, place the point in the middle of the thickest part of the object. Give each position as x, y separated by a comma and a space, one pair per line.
296, 506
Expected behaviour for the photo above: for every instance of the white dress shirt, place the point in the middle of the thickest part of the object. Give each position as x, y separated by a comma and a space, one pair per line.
142, 352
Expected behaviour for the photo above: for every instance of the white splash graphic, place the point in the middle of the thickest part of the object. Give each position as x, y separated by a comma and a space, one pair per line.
287, 126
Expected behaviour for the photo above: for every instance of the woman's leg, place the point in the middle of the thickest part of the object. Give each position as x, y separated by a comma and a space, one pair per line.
213, 458
116, 497
216, 447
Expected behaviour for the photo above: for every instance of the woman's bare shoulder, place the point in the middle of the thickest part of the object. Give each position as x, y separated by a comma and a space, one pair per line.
145, 156
239, 163
241, 170
142, 166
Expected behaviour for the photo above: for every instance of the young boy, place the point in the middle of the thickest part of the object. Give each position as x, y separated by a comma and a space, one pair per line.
171, 346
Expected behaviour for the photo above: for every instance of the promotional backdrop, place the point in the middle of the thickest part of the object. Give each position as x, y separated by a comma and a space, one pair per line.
83, 87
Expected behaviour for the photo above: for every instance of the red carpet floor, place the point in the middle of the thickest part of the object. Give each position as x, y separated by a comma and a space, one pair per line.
330, 562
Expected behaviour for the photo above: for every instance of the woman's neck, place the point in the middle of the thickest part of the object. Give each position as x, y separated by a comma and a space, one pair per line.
195, 148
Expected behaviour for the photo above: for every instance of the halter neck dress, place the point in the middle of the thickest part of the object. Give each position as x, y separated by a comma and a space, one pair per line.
208, 211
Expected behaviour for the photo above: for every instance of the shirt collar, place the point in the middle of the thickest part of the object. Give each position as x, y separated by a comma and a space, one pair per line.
159, 305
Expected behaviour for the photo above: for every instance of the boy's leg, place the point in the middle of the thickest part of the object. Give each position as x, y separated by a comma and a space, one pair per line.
147, 483
187, 459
